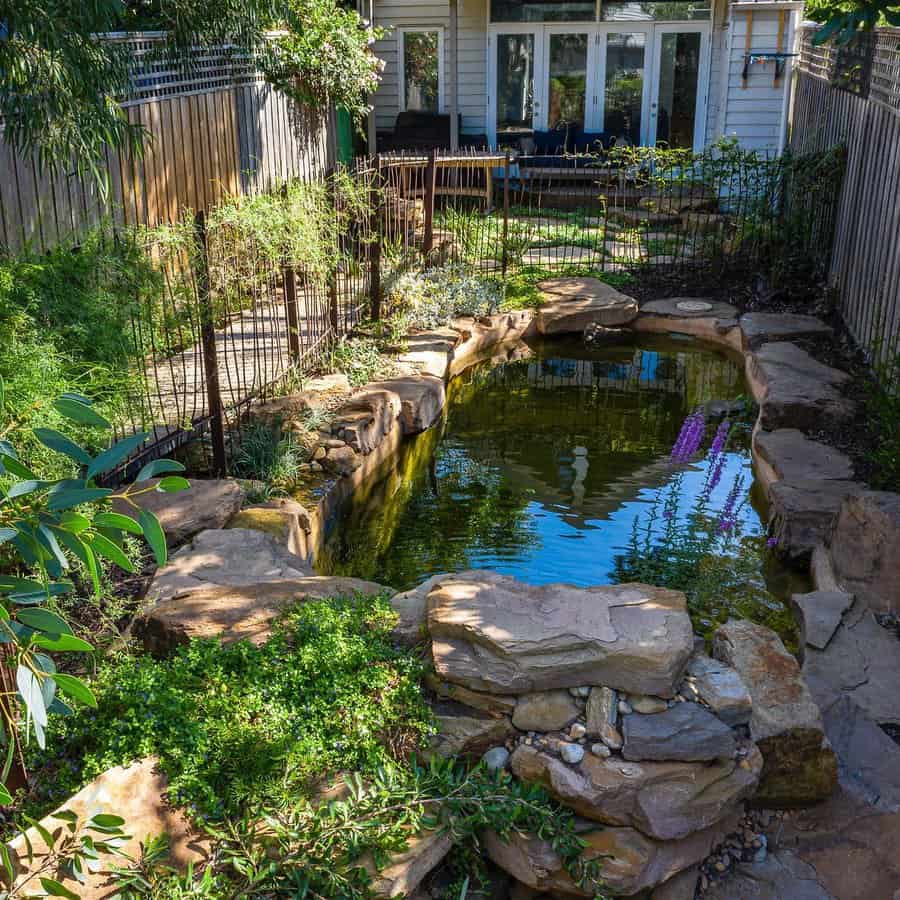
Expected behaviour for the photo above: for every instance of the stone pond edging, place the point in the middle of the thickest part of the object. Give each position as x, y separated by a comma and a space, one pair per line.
589, 730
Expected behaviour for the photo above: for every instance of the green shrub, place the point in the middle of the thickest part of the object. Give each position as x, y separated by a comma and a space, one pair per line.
251, 725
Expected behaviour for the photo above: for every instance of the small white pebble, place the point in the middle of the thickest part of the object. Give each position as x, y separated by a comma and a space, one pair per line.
624, 707
571, 753
577, 731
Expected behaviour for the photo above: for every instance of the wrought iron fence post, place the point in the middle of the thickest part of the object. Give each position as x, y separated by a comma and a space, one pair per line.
291, 308
208, 343
375, 215
332, 281
430, 181
505, 247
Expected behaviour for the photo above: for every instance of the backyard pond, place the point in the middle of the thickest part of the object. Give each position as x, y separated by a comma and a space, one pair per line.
586, 466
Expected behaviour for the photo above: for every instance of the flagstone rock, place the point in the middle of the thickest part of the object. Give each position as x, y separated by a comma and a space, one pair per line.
782, 875
788, 454
545, 711
571, 304
406, 869
794, 390
233, 556
820, 614
463, 731
719, 687
422, 400
136, 793
285, 519
364, 420
800, 767
864, 547
429, 352
802, 513
497, 705
759, 327
491, 632
686, 732
601, 713
237, 612
317, 394
630, 862
206, 504
665, 800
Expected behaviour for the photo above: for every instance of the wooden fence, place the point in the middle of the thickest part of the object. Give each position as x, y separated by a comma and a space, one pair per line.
218, 130
853, 98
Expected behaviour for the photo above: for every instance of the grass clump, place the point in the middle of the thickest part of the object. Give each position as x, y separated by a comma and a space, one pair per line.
883, 414
268, 454
242, 725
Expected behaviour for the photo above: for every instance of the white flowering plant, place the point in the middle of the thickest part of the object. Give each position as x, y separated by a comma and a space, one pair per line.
434, 298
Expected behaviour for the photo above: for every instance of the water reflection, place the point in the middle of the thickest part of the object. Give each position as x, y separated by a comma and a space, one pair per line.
539, 469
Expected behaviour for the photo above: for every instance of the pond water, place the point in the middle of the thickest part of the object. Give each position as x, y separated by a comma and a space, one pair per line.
544, 467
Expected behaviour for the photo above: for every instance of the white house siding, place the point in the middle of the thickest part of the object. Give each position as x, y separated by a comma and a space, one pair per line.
471, 50
718, 49
754, 114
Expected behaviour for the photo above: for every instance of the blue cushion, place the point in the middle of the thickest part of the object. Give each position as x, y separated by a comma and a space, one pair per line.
588, 141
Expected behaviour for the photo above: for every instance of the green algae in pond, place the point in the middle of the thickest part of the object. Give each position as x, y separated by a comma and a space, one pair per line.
540, 469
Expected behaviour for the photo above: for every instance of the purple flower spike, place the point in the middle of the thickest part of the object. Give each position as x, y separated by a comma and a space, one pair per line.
689, 438
772, 542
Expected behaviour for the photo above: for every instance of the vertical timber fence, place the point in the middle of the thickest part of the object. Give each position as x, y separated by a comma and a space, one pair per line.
852, 97
213, 131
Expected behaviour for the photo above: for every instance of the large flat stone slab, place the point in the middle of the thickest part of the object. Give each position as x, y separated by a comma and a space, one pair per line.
664, 800
407, 868
800, 768
759, 328
630, 861
792, 457
429, 352
802, 513
571, 304
689, 308
861, 661
795, 390
687, 732
864, 548
780, 876
205, 504
492, 632
235, 556
237, 612
137, 794
422, 400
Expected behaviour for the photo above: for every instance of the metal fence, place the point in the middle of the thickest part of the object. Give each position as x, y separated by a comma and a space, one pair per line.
832, 106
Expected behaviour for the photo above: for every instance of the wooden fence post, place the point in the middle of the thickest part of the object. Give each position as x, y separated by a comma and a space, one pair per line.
505, 216
430, 182
375, 212
208, 343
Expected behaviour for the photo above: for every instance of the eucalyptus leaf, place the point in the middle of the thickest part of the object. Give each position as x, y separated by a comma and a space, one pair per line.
57, 441
76, 689
76, 497
158, 467
119, 451
77, 409
103, 546
154, 535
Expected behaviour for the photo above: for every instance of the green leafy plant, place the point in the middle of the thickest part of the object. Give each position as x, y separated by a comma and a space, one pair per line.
883, 412
45, 525
77, 849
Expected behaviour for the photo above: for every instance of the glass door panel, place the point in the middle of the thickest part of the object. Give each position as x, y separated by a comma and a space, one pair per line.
567, 86
623, 108
515, 86
675, 102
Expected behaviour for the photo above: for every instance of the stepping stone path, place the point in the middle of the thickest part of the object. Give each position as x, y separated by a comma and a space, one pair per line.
760, 328
571, 304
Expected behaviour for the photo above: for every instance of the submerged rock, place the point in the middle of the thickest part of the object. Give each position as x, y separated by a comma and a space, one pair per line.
800, 767
491, 632
665, 800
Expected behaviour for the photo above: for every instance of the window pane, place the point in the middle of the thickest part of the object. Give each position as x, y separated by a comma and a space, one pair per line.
548, 11
420, 70
664, 11
515, 85
624, 87
568, 79
678, 71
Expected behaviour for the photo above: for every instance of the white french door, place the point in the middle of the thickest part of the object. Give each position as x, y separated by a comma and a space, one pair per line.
637, 82
679, 85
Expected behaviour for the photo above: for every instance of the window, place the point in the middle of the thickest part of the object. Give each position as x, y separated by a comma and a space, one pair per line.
543, 11
422, 63
656, 10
